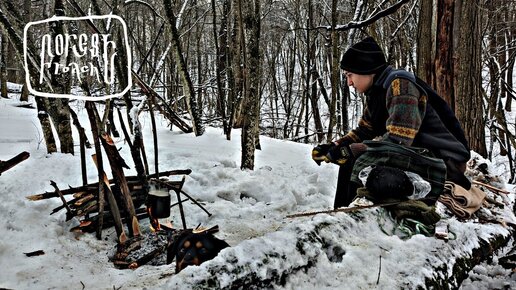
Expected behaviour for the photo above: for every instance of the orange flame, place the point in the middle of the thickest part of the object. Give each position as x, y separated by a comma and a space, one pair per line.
154, 222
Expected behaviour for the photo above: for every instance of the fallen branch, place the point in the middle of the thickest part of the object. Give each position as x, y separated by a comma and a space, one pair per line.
6, 165
490, 187
35, 253
344, 209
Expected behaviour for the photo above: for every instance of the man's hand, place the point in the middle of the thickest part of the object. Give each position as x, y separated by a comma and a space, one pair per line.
320, 151
339, 154
331, 152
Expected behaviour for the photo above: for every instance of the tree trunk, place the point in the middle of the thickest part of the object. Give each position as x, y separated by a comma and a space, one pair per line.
443, 64
188, 89
511, 38
236, 72
252, 71
59, 110
46, 127
335, 75
24, 96
3, 64
468, 78
425, 41
220, 63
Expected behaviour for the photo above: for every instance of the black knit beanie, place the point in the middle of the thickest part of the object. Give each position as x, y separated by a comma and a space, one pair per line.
363, 58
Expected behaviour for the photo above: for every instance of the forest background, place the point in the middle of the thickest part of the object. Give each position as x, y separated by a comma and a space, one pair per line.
272, 67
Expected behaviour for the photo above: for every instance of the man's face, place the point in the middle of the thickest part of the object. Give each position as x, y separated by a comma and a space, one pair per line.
361, 83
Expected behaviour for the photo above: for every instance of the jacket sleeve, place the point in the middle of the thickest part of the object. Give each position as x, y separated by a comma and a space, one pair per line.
364, 130
406, 107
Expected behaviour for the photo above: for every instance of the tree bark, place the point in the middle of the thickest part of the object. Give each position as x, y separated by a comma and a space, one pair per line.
252, 73
468, 76
335, 75
220, 63
443, 64
188, 89
425, 41
3, 65
46, 126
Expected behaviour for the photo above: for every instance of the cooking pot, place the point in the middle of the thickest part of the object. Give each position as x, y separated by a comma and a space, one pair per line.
159, 202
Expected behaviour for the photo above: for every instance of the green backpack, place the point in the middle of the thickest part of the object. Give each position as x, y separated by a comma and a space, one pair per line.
412, 159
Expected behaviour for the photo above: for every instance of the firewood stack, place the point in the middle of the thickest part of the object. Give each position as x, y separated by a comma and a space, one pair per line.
84, 202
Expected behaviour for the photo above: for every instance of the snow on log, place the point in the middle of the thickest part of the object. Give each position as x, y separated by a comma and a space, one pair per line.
351, 251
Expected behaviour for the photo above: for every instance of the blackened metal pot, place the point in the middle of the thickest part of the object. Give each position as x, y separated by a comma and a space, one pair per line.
159, 202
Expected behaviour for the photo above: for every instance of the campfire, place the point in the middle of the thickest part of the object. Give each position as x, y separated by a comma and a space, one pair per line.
146, 247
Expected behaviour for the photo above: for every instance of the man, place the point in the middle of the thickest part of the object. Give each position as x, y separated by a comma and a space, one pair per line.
398, 109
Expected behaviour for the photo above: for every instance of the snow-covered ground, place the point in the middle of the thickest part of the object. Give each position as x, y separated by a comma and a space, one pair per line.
249, 207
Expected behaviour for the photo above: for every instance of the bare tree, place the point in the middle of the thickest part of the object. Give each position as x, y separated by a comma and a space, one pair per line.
3, 64
188, 88
251, 20
467, 73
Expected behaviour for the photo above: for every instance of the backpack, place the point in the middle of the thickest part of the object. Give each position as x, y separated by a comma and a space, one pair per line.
442, 108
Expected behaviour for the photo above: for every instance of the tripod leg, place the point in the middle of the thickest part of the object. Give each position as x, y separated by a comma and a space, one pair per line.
196, 202
179, 202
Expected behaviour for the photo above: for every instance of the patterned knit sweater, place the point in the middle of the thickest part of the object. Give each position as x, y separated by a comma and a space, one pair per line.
400, 114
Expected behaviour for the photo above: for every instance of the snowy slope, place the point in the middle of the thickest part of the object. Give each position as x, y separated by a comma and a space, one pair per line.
249, 207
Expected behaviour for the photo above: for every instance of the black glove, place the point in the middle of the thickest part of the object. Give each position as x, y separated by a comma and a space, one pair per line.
320, 151
331, 152
339, 154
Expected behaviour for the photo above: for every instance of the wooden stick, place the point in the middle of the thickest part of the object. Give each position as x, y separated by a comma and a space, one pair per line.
154, 133
345, 209
113, 206
117, 163
92, 117
68, 210
180, 203
135, 150
6, 165
92, 187
490, 187
196, 202
177, 185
